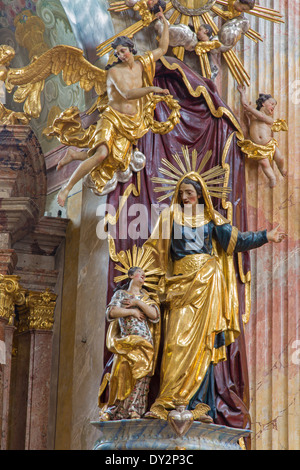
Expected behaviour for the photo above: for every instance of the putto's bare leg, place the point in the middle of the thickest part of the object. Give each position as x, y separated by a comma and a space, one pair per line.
70, 155
82, 170
268, 171
279, 160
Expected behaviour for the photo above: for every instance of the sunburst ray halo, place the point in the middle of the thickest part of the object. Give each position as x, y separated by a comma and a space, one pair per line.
213, 177
139, 257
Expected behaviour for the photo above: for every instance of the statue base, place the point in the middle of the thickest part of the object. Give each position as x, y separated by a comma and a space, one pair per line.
157, 434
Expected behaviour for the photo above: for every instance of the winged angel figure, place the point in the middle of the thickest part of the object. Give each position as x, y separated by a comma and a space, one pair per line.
125, 103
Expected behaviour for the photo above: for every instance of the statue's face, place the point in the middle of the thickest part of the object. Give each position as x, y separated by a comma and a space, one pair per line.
268, 106
123, 53
202, 34
139, 276
188, 194
241, 7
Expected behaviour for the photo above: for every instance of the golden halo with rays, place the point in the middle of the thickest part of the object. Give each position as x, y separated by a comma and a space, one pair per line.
212, 177
189, 12
136, 257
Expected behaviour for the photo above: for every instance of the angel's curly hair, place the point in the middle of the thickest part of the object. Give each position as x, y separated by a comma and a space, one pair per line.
262, 97
121, 41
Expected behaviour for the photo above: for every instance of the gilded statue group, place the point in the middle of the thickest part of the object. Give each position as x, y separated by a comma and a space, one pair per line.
196, 274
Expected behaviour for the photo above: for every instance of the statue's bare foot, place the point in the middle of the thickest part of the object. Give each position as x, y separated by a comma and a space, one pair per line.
62, 196
205, 419
67, 158
272, 183
150, 415
134, 415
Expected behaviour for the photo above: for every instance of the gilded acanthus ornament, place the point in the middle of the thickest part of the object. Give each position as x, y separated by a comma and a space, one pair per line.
11, 294
39, 311
143, 9
206, 46
11, 118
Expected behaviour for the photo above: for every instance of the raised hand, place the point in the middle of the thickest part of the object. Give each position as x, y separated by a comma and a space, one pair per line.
241, 89
160, 15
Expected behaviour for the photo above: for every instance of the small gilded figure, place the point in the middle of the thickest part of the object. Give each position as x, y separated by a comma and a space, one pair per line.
261, 125
133, 337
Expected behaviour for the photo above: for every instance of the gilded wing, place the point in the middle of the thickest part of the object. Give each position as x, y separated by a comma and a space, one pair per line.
69, 60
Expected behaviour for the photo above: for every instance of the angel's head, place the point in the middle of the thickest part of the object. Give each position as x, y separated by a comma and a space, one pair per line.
154, 5
266, 103
243, 6
204, 32
124, 50
123, 45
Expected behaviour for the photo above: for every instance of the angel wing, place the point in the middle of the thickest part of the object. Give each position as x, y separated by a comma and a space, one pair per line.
69, 60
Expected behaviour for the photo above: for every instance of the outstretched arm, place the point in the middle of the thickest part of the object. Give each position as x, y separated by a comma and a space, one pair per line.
137, 93
256, 113
242, 91
164, 39
250, 109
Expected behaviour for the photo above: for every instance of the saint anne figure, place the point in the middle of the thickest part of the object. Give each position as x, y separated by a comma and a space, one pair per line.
201, 291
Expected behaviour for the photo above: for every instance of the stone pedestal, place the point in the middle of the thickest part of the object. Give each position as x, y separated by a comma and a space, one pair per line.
156, 434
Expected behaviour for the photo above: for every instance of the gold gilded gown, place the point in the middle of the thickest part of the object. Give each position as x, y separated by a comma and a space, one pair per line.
135, 345
201, 294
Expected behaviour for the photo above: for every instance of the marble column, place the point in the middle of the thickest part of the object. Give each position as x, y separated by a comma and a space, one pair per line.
32, 372
10, 294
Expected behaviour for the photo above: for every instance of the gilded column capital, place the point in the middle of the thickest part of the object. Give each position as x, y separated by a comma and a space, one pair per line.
38, 313
11, 294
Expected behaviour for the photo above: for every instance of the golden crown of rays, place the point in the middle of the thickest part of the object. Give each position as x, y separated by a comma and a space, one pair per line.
212, 178
136, 257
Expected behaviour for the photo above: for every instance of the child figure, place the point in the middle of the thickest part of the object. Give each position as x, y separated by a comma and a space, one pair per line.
134, 316
204, 33
262, 146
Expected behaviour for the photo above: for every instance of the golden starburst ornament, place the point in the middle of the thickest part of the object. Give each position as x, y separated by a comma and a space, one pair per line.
213, 178
139, 257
